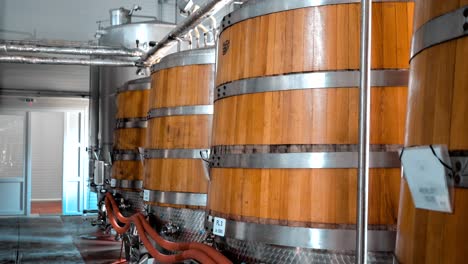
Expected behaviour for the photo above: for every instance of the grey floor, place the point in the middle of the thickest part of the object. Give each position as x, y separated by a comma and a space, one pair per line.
54, 239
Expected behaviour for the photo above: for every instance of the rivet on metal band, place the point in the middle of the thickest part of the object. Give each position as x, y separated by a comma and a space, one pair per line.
181, 110
310, 160
178, 198
313, 80
127, 184
174, 153
314, 238
137, 85
186, 58
440, 29
126, 155
265, 7
131, 123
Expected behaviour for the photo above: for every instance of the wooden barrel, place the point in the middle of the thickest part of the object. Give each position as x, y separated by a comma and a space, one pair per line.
129, 135
179, 129
437, 107
285, 127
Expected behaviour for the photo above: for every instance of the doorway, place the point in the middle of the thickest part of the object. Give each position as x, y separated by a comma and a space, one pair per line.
58, 162
47, 153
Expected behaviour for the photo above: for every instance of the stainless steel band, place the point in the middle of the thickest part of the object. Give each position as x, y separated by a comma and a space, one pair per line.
126, 155
265, 7
186, 58
181, 110
313, 80
174, 153
440, 29
127, 184
139, 122
137, 85
315, 238
178, 198
259, 158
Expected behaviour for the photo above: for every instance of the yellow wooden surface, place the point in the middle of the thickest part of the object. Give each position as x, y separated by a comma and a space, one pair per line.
436, 115
307, 40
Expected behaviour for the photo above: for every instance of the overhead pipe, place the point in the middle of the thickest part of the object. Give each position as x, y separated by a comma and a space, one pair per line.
43, 93
364, 132
28, 46
65, 61
197, 17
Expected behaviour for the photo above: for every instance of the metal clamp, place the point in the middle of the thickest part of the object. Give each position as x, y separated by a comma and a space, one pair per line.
137, 122
460, 167
178, 198
181, 111
314, 238
312, 80
127, 184
136, 85
186, 58
174, 153
440, 29
126, 155
265, 7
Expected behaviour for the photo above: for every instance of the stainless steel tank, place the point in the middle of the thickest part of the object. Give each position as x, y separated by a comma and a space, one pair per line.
104, 83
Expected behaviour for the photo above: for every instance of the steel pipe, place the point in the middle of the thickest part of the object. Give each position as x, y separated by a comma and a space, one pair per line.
364, 132
65, 61
28, 46
197, 17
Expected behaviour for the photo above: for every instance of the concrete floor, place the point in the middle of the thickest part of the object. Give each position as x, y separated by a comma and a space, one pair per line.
54, 239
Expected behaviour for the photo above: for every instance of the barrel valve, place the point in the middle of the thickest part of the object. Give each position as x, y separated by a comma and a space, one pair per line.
170, 229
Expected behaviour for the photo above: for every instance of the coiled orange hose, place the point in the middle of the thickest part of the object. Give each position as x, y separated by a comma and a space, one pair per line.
196, 251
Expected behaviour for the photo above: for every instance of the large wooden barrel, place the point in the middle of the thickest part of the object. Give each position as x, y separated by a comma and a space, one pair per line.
179, 132
129, 135
437, 107
285, 129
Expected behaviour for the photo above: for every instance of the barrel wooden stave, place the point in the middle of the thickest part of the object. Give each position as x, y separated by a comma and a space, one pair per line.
129, 138
311, 116
174, 87
175, 175
178, 132
436, 115
275, 44
182, 86
132, 104
279, 45
302, 197
127, 170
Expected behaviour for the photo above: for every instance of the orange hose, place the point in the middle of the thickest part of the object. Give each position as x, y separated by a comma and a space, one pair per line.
173, 246
196, 251
184, 255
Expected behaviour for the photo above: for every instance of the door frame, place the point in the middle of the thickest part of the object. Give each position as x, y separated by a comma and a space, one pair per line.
26, 177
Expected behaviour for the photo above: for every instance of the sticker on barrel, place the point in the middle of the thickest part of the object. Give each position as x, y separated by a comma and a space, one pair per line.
146, 195
219, 226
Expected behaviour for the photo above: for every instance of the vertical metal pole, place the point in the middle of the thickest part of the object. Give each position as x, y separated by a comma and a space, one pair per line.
364, 132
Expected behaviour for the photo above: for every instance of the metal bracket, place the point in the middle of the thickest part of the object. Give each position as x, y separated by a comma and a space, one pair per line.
460, 167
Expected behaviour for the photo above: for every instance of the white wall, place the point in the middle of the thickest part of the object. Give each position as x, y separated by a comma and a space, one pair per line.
61, 19
47, 130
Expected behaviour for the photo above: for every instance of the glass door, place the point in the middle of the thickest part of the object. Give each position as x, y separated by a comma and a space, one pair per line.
12, 164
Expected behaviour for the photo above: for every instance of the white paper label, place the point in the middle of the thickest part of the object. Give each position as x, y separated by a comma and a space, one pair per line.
219, 226
427, 177
146, 195
113, 182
